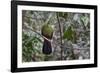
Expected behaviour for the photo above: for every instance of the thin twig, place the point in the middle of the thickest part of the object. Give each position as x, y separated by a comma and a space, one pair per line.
60, 34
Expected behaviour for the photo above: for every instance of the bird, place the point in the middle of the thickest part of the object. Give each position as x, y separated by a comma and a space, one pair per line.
47, 32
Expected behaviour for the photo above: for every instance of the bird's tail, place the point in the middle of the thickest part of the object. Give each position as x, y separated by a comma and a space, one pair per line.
47, 48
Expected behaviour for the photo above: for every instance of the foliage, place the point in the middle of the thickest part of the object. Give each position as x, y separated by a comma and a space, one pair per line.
31, 45
73, 39
69, 34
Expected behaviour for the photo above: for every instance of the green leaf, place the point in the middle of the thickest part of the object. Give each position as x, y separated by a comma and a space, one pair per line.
85, 20
69, 34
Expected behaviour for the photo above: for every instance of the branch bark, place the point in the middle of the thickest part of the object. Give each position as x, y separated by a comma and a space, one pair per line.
60, 35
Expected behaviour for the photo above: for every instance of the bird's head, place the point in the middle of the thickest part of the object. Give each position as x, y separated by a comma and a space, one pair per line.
47, 31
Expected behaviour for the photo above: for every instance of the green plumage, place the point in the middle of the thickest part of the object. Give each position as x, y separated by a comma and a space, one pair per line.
47, 31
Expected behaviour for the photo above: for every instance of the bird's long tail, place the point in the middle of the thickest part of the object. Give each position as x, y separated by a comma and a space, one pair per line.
47, 48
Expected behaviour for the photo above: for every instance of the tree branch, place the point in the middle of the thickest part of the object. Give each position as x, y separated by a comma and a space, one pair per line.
60, 35
28, 27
